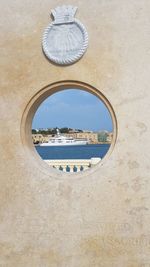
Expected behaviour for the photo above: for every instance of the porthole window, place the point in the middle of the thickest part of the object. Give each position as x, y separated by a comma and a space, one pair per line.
73, 128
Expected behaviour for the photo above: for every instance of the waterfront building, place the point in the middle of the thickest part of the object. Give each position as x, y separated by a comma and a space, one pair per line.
40, 138
93, 138
90, 136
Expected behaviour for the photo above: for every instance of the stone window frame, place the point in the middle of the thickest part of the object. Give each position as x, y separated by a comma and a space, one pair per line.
30, 110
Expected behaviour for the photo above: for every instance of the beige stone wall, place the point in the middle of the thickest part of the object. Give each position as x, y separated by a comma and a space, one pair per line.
40, 138
99, 218
91, 137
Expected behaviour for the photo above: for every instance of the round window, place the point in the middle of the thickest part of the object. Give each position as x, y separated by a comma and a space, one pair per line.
72, 126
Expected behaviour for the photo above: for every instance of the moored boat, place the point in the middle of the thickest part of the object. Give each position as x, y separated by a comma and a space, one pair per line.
61, 140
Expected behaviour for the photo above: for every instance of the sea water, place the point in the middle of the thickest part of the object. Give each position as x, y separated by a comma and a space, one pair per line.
73, 152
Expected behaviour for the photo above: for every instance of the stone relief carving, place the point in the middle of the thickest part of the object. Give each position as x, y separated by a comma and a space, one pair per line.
65, 40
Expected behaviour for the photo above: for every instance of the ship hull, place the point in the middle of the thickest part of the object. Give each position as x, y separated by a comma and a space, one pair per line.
78, 143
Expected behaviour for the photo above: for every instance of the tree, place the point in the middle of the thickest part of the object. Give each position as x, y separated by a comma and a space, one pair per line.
102, 136
34, 131
64, 130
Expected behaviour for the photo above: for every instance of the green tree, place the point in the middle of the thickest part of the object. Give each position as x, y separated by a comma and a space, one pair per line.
34, 131
64, 130
102, 136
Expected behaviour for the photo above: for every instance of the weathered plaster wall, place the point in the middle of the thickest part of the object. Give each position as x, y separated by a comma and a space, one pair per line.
100, 219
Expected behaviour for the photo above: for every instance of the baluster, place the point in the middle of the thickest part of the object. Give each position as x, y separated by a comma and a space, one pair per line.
71, 168
57, 167
64, 167
86, 167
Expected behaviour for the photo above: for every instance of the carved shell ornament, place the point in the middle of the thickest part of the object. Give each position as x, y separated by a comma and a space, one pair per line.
65, 40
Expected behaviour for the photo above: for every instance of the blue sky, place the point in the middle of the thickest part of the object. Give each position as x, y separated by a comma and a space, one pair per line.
75, 109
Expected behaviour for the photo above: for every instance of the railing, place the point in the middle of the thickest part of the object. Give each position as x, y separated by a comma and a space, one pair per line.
73, 165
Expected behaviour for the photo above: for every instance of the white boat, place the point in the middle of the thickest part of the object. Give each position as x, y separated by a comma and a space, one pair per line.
60, 140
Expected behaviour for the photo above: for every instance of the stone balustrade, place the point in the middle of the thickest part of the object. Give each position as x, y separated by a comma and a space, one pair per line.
73, 165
